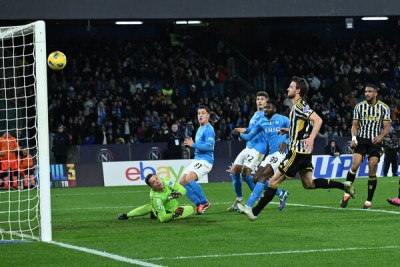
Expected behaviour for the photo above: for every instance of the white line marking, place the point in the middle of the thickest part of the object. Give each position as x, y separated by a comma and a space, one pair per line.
268, 253
229, 203
106, 255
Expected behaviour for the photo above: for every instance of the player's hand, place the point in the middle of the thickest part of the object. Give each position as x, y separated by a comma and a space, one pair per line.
309, 144
178, 212
174, 195
188, 142
376, 139
282, 147
283, 130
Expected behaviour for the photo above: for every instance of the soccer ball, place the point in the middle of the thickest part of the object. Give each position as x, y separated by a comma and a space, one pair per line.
57, 60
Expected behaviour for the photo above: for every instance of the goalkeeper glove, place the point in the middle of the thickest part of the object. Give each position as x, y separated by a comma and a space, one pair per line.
178, 212
174, 195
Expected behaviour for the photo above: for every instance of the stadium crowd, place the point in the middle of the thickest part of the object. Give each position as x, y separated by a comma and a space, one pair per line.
126, 92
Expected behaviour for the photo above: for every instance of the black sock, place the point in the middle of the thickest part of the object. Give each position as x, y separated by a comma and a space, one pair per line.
372, 181
266, 198
351, 176
327, 183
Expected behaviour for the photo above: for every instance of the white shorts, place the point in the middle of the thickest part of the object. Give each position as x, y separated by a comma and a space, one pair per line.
199, 167
250, 158
274, 160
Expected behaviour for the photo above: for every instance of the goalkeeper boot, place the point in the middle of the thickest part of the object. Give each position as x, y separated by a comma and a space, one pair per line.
246, 210
394, 201
344, 201
282, 199
122, 216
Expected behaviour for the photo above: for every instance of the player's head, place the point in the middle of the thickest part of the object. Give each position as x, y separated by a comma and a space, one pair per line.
261, 100
298, 86
371, 93
270, 109
203, 114
154, 182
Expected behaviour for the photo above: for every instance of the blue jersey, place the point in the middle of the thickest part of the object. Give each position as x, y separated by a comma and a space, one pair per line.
256, 136
258, 115
204, 143
274, 139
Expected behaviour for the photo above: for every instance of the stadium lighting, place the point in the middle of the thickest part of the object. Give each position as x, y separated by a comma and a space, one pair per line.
194, 21
191, 22
374, 18
129, 22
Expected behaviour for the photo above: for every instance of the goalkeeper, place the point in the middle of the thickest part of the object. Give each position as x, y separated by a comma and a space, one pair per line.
163, 204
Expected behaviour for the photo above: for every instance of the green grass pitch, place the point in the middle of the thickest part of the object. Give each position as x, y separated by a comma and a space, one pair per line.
311, 231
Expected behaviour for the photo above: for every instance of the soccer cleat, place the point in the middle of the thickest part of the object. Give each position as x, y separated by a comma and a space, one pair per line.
349, 189
282, 199
122, 216
367, 205
394, 201
201, 209
234, 206
247, 211
344, 201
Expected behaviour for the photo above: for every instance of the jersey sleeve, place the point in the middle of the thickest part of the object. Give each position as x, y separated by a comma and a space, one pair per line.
159, 208
208, 144
176, 187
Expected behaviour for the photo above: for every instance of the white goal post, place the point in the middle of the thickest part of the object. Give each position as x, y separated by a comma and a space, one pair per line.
25, 206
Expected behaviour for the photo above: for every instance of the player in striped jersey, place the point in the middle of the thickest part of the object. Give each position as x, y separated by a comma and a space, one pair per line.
304, 127
371, 122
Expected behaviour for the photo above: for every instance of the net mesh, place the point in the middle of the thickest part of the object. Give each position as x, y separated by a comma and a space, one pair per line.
19, 196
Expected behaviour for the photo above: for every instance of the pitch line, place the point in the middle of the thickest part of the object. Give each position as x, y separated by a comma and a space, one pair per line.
106, 255
230, 203
269, 253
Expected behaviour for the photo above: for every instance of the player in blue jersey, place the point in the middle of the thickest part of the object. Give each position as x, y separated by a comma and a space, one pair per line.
277, 144
203, 160
249, 158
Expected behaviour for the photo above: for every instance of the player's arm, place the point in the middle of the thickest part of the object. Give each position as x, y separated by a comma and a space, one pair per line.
385, 131
354, 131
208, 145
178, 190
316, 122
160, 211
251, 132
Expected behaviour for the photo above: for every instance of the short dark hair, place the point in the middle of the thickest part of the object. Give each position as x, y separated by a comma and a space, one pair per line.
204, 107
263, 93
272, 102
302, 84
373, 86
148, 176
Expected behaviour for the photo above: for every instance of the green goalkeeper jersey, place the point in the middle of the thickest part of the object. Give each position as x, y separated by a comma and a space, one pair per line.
162, 207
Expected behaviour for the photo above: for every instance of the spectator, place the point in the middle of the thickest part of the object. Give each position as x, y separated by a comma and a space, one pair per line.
61, 144
333, 149
175, 141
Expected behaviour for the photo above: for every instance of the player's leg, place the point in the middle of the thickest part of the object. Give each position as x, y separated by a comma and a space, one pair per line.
395, 201
250, 164
351, 175
139, 211
372, 180
190, 194
235, 174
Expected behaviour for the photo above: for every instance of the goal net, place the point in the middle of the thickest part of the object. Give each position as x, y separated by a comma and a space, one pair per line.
24, 187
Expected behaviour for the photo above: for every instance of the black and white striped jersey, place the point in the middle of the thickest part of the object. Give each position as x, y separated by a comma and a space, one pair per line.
370, 118
300, 126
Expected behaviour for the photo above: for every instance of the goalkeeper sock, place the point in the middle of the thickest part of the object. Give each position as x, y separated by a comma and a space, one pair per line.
191, 195
140, 211
237, 184
198, 191
249, 180
255, 195
187, 211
